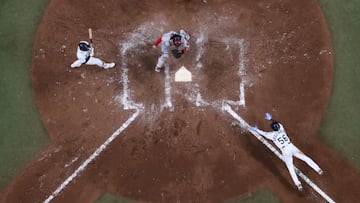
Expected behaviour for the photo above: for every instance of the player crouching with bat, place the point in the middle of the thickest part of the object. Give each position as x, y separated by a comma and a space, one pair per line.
85, 55
171, 39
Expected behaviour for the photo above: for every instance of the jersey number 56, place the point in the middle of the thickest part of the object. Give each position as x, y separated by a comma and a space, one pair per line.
283, 139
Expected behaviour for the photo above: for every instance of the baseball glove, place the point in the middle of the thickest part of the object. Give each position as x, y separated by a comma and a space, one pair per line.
177, 53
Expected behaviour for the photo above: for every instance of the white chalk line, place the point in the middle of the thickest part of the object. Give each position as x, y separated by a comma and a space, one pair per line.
242, 58
242, 94
195, 97
246, 126
125, 98
126, 101
134, 40
195, 94
71, 162
199, 100
168, 102
200, 41
241, 70
96, 153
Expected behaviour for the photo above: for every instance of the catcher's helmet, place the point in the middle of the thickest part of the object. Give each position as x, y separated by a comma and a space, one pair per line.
84, 46
275, 125
177, 40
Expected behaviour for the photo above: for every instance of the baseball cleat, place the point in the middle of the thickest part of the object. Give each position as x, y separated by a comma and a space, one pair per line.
299, 187
157, 69
74, 66
109, 65
320, 172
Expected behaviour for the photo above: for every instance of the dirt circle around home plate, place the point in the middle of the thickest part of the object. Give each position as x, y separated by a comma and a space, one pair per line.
172, 140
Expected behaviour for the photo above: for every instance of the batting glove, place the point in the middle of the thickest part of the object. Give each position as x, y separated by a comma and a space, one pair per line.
253, 128
268, 116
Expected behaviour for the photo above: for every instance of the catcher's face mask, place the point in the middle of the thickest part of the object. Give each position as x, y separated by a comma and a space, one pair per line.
177, 43
177, 40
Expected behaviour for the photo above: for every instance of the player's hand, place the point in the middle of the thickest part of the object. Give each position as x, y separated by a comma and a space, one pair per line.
268, 116
253, 128
153, 46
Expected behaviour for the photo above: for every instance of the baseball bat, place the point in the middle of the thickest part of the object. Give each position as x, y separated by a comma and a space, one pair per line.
90, 37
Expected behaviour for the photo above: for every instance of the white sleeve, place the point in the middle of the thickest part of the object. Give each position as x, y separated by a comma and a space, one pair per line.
267, 135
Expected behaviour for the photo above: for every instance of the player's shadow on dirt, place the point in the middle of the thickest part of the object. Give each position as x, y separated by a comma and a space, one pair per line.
265, 157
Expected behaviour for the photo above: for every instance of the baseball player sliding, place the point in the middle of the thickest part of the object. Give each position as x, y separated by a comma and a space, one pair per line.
85, 55
288, 150
171, 39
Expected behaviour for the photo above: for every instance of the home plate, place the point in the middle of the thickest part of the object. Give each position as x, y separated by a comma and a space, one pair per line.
183, 75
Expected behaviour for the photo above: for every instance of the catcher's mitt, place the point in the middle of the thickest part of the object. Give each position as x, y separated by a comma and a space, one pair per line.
177, 53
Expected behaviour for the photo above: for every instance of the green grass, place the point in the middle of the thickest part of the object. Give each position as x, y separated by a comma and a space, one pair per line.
341, 125
260, 196
22, 134
109, 198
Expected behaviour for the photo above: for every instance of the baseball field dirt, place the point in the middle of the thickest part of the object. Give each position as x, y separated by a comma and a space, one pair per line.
138, 134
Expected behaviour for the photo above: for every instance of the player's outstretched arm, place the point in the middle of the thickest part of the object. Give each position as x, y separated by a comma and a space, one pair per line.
157, 42
267, 135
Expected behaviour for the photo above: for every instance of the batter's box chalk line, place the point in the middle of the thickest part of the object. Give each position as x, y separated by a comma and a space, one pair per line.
92, 157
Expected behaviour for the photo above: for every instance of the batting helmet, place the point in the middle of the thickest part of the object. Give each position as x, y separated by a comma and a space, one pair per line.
177, 40
84, 46
275, 125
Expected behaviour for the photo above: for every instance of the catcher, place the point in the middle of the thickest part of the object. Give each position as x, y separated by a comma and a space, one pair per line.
171, 39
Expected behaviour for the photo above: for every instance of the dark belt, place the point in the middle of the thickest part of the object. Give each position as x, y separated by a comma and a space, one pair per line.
87, 59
